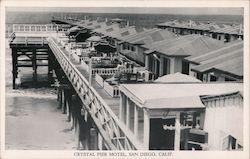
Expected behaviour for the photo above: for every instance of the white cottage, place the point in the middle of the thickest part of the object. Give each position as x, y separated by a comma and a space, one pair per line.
184, 116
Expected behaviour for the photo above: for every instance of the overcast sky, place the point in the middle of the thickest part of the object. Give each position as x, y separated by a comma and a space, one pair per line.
214, 10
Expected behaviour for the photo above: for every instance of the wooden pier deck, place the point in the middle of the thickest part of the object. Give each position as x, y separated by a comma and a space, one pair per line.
112, 102
103, 109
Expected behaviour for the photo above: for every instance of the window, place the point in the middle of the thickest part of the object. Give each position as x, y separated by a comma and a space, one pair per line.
124, 46
213, 78
132, 48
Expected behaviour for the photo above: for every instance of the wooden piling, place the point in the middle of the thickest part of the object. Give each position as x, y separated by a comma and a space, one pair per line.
34, 65
14, 67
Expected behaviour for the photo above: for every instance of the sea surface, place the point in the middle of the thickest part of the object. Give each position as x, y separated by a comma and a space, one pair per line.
32, 120
145, 20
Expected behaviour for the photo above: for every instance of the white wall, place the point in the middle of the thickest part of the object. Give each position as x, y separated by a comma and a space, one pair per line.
223, 119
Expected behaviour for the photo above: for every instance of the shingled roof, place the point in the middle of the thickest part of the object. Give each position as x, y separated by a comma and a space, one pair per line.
212, 27
123, 32
138, 35
156, 36
186, 46
228, 59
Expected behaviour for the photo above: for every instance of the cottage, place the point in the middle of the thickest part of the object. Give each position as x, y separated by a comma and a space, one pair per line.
130, 46
184, 116
223, 64
166, 57
223, 32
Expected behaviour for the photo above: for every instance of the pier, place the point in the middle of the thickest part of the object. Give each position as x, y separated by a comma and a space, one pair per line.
94, 107
107, 107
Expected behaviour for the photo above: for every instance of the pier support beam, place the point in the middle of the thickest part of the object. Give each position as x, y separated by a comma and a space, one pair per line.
100, 142
65, 99
14, 67
50, 67
60, 98
34, 65
68, 107
94, 139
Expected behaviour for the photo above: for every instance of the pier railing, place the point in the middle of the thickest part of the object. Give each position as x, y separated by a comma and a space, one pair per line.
112, 90
36, 28
99, 80
115, 135
104, 71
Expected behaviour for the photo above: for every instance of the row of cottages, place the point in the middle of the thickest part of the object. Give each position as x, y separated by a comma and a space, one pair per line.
163, 52
190, 115
130, 46
166, 57
223, 64
168, 53
223, 32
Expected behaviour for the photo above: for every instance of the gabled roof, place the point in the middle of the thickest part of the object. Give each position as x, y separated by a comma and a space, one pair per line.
176, 96
122, 32
212, 27
156, 36
227, 60
230, 30
107, 28
186, 46
138, 35
229, 47
177, 78
94, 24
118, 32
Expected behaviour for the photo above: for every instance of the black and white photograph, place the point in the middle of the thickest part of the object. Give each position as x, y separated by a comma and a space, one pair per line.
125, 82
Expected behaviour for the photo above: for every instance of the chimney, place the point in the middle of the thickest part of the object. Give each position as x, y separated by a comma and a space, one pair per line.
106, 20
190, 23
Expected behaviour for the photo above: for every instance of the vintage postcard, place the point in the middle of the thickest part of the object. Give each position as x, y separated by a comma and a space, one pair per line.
124, 79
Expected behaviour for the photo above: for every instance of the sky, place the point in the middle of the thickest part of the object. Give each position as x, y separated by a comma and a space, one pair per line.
141, 10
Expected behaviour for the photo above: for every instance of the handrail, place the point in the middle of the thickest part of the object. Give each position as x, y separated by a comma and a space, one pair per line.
107, 122
36, 28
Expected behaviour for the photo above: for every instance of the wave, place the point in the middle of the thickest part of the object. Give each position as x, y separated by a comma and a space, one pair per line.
32, 93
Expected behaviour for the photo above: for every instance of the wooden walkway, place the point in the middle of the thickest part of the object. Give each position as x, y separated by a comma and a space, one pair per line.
103, 109
112, 102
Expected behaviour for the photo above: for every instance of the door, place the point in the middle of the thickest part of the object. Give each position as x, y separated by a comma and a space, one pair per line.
161, 139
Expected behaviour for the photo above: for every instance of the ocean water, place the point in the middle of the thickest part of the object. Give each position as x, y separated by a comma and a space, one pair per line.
147, 20
32, 119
